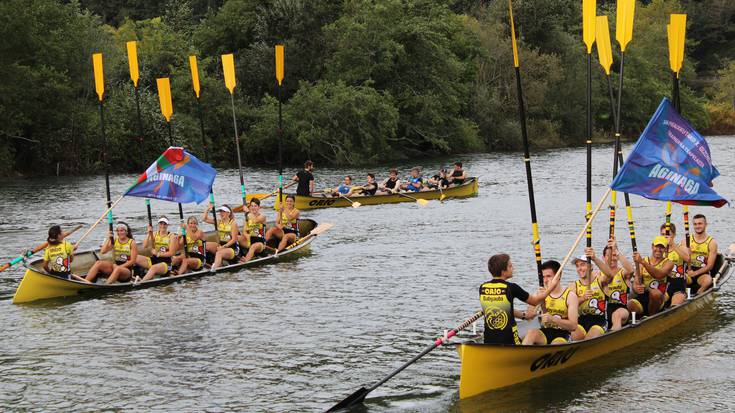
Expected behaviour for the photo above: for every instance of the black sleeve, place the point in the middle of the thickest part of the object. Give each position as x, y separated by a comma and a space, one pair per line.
311, 176
518, 292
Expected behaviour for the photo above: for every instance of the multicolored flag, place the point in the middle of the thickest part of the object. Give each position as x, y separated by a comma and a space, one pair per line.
176, 176
670, 162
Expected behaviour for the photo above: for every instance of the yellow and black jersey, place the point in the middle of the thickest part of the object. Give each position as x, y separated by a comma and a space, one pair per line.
496, 298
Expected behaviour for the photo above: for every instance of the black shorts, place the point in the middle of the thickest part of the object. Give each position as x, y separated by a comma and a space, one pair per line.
287, 230
588, 321
552, 334
676, 285
643, 300
157, 260
694, 284
64, 275
255, 240
611, 308
235, 247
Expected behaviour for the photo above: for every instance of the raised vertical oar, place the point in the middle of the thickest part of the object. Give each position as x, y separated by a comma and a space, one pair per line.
280, 72
589, 12
99, 85
135, 77
604, 53
526, 152
167, 109
197, 90
228, 66
686, 235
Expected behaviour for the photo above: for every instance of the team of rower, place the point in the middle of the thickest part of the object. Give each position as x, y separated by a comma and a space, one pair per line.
598, 301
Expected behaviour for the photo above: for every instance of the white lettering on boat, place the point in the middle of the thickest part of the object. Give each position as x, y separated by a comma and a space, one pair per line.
176, 179
662, 172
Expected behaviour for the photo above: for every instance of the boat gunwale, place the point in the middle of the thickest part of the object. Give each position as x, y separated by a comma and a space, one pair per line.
470, 181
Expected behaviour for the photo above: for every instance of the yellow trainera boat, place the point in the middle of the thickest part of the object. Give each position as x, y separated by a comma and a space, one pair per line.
487, 367
39, 285
467, 189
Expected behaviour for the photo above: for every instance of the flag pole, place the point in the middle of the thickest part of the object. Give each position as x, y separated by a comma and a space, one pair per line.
228, 66
589, 12
99, 82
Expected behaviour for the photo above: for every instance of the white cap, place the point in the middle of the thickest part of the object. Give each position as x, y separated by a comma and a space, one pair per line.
164, 220
580, 258
224, 208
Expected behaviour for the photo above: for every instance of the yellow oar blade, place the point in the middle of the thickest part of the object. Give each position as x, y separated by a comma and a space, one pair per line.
589, 13
99, 75
133, 61
604, 48
194, 74
513, 34
680, 21
280, 53
228, 67
356, 204
442, 197
624, 22
164, 97
422, 202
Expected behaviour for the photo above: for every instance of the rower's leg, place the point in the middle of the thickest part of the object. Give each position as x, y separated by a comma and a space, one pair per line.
634, 306
156, 269
272, 231
120, 273
534, 337
287, 240
254, 249
99, 266
704, 282
223, 254
143, 262
619, 317
579, 333
655, 301
678, 298
595, 331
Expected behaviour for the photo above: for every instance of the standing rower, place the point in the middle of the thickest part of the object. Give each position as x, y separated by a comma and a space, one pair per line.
591, 300
703, 255
561, 315
305, 178
650, 297
616, 283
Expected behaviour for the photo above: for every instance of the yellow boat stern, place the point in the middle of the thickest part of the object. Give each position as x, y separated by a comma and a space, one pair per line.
36, 286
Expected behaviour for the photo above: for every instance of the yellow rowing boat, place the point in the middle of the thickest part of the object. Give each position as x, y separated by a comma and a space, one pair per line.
467, 189
487, 367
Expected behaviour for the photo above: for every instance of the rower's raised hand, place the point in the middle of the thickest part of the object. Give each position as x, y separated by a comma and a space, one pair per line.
637, 258
589, 252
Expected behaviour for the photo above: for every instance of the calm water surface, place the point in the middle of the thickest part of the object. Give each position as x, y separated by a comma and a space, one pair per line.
373, 292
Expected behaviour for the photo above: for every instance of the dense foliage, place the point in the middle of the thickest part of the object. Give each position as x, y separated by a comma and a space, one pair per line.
366, 81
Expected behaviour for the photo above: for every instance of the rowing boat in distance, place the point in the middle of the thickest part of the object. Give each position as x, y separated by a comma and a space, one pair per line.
487, 367
467, 189
39, 285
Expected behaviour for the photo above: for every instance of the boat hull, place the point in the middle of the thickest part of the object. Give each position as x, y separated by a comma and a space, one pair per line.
468, 189
487, 367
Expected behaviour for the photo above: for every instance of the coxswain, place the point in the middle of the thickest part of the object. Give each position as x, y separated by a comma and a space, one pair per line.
252, 239
650, 295
343, 188
228, 248
591, 299
616, 271
195, 256
703, 255
458, 175
678, 255
415, 182
391, 184
561, 315
370, 187
124, 256
59, 254
496, 298
305, 180
286, 230
162, 245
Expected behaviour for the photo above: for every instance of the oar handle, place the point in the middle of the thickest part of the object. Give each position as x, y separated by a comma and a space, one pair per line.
97, 222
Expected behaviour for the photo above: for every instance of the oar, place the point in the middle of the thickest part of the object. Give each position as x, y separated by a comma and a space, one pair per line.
134, 76
108, 213
228, 66
355, 204
419, 201
687, 236
262, 196
359, 396
526, 154
280, 51
321, 228
589, 12
99, 83
30, 253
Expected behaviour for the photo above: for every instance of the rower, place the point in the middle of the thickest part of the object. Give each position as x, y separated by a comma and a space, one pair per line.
228, 247
496, 298
703, 255
253, 236
415, 182
650, 298
440, 179
305, 178
368, 189
124, 256
458, 175
162, 246
59, 254
616, 283
591, 299
561, 315
391, 184
343, 188
286, 230
678, 255
195, 256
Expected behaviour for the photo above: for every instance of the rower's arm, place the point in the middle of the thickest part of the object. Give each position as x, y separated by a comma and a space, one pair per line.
602, 265
311, 187
205, 216
626, 264
133, 256
682, 250
710, 259
107, 245
659, 273
173, 246
572, 313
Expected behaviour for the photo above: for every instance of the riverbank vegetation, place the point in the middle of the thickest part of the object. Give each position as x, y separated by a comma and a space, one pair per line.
365, 81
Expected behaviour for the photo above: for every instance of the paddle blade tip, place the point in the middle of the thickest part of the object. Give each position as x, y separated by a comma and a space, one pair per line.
356, 204
355, 398
422, 202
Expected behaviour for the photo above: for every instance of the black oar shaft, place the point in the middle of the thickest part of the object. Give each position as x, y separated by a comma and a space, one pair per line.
106, 166
280, 144
616, 149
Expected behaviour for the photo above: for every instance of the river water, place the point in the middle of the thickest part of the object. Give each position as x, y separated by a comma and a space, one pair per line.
372, 293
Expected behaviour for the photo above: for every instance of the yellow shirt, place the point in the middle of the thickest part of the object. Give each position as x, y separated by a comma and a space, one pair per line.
648, 279
557, 307
161, 242
699, 252
121, 251
225, 230
596, 304
617, 289
58, 256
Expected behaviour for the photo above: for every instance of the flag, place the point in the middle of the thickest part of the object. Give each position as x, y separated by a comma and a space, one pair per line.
670, 162
176, 176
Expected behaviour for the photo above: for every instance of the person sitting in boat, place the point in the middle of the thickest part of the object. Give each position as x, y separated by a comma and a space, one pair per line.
617, 271
391, 184
162, 246
650, 297
678, 255
496, 298
195, 256
124, 256
703, 255
458, 175
440, 179
252, 240
561, 315
305, 179
591, 300
59, 254
415, 182
286, 230
343, 188
370, 188
227, 233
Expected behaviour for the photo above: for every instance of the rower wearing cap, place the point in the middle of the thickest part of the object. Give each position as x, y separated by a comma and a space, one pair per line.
615, 275
496, 298
162, 245
703, 254
591, 300
650, 296
561, 315
678, 255
227, 231
124, 255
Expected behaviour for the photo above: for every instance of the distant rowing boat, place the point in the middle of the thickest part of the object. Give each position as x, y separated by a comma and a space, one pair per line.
39, 285
467, 189
487, 367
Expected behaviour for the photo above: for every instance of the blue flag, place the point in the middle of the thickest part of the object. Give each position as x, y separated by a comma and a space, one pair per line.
670, 162
176, 176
